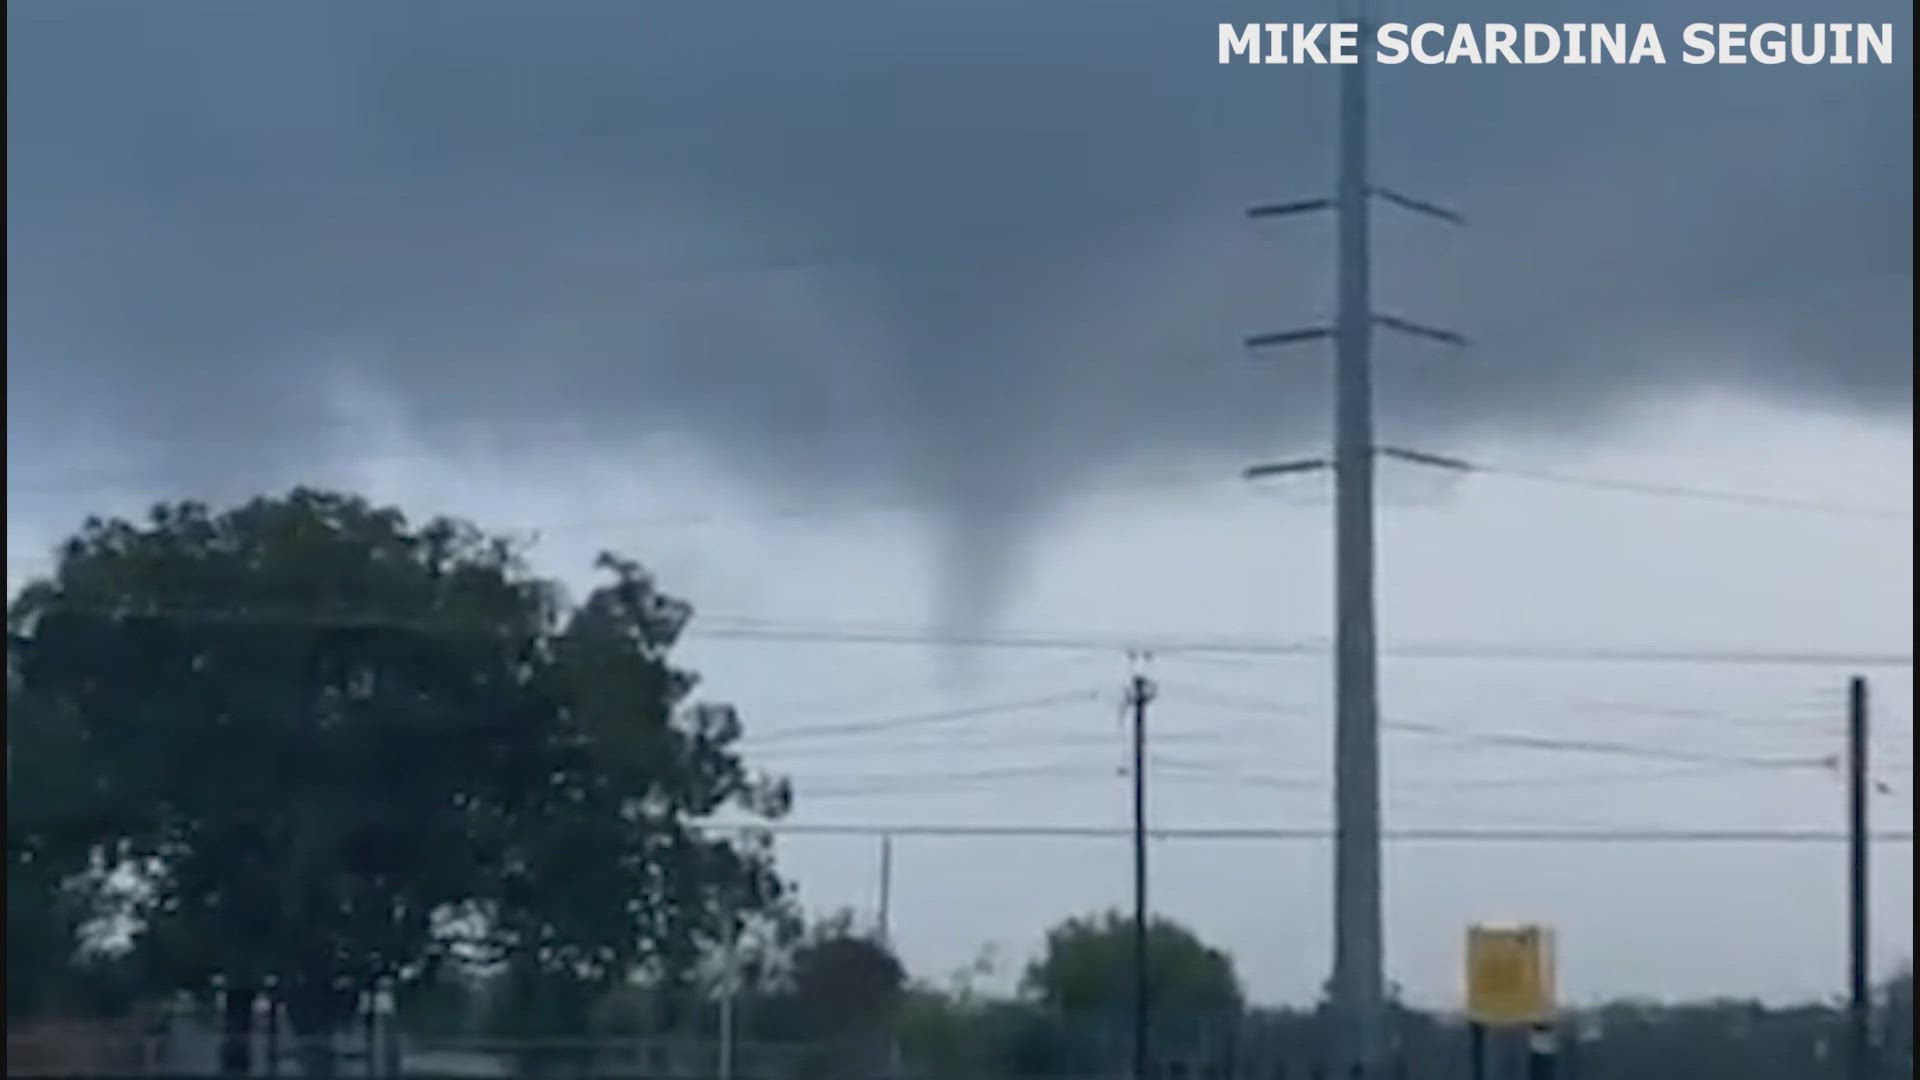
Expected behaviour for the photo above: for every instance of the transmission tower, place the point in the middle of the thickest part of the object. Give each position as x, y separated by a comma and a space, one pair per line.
1356, 990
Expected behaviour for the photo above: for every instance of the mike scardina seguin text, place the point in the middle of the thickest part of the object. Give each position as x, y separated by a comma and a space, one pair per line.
1558, 43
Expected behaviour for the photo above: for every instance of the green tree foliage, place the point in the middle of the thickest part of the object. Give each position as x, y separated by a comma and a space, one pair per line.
1719, 1040
954, 1037
335, 748
833, 989
43, 918
1084, 981
1895, 1022
845, 978
1086, 968
53, 966
958, 1032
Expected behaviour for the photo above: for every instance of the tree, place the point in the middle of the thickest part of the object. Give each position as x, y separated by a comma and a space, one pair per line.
957, 1033
835, 989
336, 749
844, 977
1087, 967
1085, 978
43, 918
1894, 1023
55, 964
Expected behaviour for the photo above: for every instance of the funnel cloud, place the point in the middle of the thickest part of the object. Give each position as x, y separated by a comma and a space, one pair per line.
862, 250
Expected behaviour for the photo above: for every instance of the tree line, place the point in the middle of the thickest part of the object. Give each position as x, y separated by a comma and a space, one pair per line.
307, 748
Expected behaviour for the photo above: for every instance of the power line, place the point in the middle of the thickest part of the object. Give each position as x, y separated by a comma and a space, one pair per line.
946, 746
1808, 717
906, 506
1191, 484
1620, 835
134, 483
1215, 773
1542, 780
1176, 647
917, 720
1505, 740
916, 781
1523, 741
1220, 774
1654, 489
1527, 741
832, 634
923, 691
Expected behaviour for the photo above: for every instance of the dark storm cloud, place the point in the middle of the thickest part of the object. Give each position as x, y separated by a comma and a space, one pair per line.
969, 255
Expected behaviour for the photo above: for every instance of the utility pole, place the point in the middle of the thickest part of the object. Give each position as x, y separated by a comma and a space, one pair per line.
729, 988
1140, 691
886, 889
1357, 988
1859, 997
1359, 980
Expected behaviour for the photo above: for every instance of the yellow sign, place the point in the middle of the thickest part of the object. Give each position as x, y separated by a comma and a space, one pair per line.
1509, 975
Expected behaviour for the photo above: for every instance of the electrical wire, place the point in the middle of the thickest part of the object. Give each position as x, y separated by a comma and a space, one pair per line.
1545, 780
1436, 834
1169, 646
1654, 489
917, 720
1223, 776
829, 634
1521, 741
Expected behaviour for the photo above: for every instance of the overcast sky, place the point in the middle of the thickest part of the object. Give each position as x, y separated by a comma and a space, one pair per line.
927, 317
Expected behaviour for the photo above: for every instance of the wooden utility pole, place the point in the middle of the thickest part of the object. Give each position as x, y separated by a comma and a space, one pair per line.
886, 890
1140, 691
1860, 991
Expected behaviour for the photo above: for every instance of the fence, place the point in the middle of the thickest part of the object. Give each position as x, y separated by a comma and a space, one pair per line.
1002, 1042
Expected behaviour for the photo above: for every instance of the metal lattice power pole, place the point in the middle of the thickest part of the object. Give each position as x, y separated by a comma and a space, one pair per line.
1357, 998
